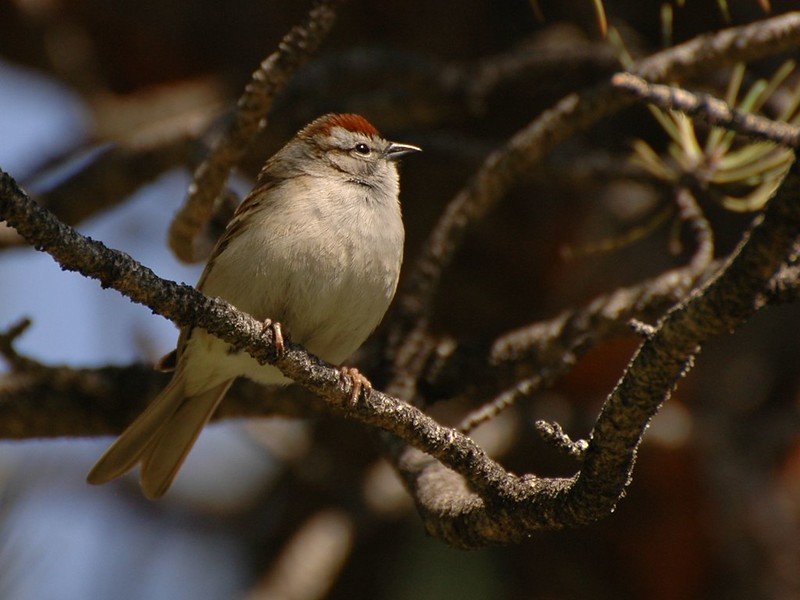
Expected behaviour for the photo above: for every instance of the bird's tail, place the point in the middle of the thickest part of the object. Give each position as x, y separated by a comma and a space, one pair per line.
160, 438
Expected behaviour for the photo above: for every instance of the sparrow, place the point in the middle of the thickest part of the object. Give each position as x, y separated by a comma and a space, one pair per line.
315, 248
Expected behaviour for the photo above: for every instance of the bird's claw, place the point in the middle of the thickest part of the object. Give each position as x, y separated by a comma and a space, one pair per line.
277, 335
358, 383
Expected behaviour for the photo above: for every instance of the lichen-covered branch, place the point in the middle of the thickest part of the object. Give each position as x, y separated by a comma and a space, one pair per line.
184, 305
43, 401
250, 118
710, 109
573, 113
53, 401
576, 330
716, 308
464, 496
503, 507
453, 512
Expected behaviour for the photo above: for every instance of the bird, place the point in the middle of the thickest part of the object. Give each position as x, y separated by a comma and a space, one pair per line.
314, 250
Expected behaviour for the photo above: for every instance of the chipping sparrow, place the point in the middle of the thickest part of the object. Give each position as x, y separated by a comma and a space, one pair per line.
317, 245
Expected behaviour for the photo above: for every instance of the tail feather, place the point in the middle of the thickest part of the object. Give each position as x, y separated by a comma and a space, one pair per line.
172, 442
124, 453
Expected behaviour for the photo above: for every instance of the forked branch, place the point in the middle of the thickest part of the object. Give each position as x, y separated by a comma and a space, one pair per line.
503, 507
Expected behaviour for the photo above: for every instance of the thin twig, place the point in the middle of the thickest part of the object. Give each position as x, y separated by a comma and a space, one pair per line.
552, 346
554, 435
507, 398
708, 108
250, 119
626, 238
690, 213
545, 342
109, 178
641, 328
573, 113
7, 350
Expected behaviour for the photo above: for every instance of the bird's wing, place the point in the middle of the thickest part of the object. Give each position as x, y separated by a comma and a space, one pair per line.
169, 362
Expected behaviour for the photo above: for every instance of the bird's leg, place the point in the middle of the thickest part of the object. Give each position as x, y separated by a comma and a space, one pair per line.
358, 383
277, 335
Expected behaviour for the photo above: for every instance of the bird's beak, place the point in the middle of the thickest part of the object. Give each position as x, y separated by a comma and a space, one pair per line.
395, 150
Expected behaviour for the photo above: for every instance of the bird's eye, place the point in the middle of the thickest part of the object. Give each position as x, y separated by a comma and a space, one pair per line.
362, 149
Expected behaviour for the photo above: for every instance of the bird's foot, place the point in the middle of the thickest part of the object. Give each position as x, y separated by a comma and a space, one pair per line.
358, 383
277, 335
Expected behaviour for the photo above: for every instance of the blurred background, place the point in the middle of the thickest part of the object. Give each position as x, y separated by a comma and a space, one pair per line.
308, 509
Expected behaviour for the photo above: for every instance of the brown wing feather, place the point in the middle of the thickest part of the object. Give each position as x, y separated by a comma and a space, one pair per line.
251, 202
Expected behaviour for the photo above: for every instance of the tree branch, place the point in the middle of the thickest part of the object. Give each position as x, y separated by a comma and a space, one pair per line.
708, 108
43, 401
453, 512
59, 401
186, 306
7, 350
573, 113
489, 504
503, 507
250, 119
110, 178
689, 212
576, 330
